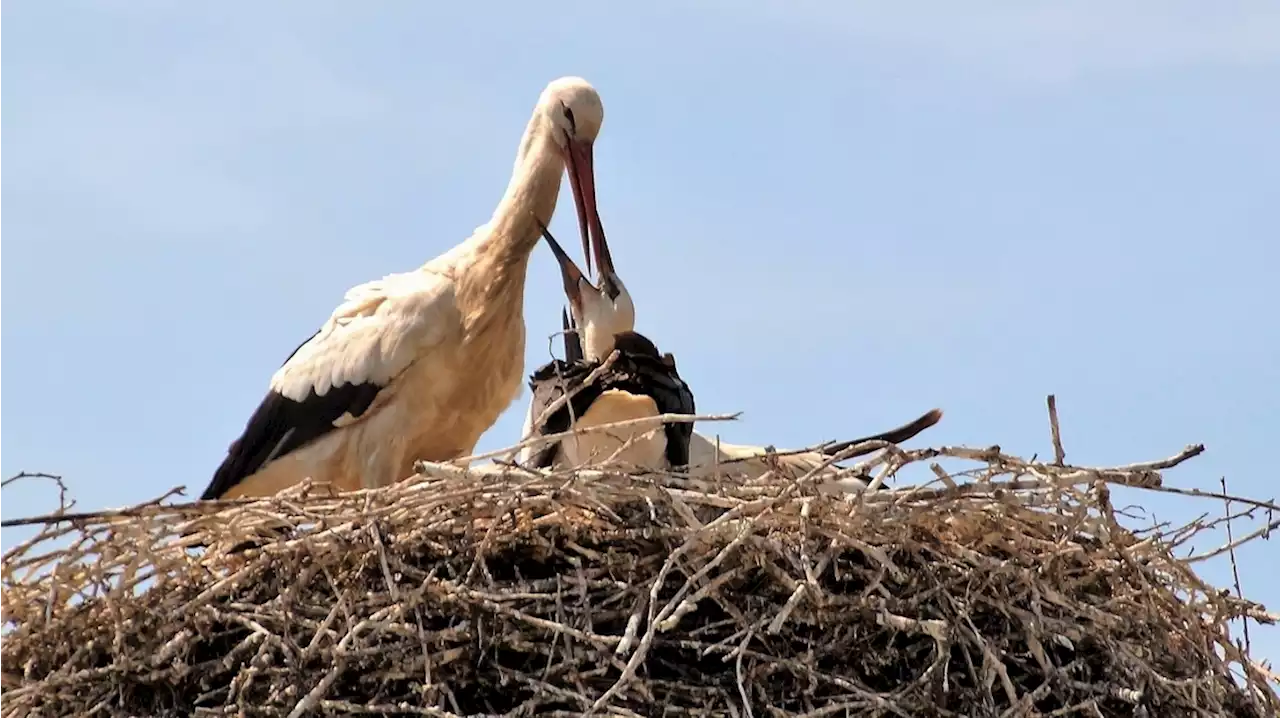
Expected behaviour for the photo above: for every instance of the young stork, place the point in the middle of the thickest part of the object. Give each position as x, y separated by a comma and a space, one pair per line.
417, 365
640, 383
643, 383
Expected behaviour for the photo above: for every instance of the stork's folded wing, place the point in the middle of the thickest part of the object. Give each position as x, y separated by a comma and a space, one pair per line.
337, 375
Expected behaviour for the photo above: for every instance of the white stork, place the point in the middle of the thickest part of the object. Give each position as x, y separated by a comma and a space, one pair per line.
417, 365
640, 383
644, 383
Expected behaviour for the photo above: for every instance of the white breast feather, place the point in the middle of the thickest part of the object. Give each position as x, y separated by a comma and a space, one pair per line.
374, 335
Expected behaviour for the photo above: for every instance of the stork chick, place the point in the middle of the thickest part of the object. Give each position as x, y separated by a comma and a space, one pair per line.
640, 383
417, 365
599, 316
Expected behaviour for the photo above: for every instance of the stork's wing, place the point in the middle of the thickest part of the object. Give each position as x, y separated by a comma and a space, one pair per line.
661, 382
635, 373
334, 377
547, 384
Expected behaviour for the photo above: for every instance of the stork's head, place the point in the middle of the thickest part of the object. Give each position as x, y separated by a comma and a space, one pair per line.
574, 113
599, 312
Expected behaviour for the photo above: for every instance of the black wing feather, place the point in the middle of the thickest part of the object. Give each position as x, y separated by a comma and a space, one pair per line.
659, 379
280, 425
673, 396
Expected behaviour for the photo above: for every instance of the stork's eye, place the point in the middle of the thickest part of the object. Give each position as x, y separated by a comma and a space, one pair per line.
568, 115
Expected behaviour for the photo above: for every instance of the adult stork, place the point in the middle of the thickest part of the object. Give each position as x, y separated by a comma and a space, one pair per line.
640, 383
417, 365
644, 383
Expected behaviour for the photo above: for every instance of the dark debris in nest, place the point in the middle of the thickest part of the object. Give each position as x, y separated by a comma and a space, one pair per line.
503, 592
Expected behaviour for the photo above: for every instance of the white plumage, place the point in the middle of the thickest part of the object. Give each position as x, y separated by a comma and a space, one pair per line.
417, 365
374, 335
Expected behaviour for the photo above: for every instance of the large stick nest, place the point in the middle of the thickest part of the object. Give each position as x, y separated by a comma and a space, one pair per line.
1016, 592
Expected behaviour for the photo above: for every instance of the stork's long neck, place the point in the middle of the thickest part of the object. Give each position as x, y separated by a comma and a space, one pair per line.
597, 341
493, 288
533, 190
602, 319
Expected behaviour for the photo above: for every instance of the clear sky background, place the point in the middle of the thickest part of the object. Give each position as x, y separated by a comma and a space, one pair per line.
835, 215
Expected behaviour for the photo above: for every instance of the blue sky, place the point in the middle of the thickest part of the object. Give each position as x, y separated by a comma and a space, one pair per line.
835, 215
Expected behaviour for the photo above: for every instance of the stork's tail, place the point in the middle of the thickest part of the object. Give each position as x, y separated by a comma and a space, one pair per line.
893, 436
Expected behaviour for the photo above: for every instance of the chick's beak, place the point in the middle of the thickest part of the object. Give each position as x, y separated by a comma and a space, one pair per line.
582, 179
569, 273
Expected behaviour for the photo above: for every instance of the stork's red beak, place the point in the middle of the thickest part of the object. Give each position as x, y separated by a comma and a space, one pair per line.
582, 179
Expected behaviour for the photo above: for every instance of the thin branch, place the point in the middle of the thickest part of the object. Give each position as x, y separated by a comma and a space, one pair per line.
1235, 569
63, 504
